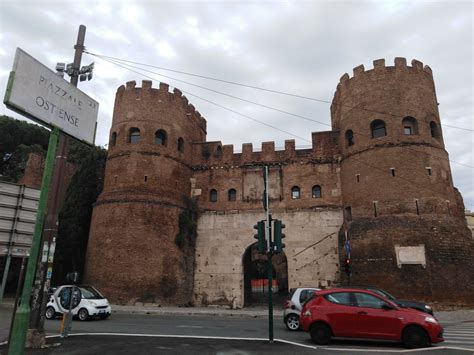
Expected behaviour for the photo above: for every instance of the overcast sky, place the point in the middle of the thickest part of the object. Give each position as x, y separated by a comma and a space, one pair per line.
291, 46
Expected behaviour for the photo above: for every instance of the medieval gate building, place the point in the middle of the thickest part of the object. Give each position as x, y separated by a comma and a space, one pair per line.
174, 223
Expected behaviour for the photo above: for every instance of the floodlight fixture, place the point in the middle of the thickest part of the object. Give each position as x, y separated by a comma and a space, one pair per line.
60, 67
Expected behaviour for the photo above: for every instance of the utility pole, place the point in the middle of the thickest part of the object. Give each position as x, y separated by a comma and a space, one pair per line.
31, 309
35, 337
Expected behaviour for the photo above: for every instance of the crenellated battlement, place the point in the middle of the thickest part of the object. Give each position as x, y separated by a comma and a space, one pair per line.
400, 63
374, 82
147, 92
324, 149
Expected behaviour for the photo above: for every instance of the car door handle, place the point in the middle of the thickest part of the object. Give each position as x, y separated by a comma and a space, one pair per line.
362, 313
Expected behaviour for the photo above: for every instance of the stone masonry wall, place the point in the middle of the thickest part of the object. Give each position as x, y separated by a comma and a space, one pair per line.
223, 237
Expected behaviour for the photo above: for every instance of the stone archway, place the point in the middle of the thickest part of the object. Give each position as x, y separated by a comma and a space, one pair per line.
255, 268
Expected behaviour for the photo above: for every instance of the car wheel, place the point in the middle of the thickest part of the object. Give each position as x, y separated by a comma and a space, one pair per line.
415, 337
83, 314
50, 313
320, 333
292, 322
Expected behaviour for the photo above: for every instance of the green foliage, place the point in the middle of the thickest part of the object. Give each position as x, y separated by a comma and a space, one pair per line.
75, 216
187, 234
17, 140
13, 165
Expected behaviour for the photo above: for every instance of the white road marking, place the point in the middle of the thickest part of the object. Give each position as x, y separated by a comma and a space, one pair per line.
190, 326
263, 339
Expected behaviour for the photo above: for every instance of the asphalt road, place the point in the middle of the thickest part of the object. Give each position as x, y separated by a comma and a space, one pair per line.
240, 327
184, 333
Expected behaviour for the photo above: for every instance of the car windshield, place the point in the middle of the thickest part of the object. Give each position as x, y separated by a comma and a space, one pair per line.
90, 293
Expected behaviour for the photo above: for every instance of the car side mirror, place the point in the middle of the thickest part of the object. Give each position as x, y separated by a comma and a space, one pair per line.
387, 307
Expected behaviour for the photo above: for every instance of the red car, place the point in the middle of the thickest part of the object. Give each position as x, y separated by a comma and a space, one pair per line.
363, 314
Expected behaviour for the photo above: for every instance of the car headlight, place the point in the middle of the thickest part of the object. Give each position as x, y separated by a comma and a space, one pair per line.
427, 307
431, 320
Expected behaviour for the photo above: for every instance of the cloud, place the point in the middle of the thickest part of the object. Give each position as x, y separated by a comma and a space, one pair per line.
296, 47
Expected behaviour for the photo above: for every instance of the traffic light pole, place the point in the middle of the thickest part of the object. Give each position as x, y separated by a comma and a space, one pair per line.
268, 235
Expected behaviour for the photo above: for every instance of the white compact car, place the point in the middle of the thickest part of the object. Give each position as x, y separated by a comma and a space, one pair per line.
87, 302
292, 307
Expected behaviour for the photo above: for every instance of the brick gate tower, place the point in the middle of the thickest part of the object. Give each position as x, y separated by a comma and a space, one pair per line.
132, 249
404, 218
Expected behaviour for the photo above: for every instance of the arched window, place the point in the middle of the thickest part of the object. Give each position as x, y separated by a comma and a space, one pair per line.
232, 194
434, 130
160, 137
295, 192
316, 192
134, 135
410, 127
378, 129
350, 137
213, 195
180, 144
113, 139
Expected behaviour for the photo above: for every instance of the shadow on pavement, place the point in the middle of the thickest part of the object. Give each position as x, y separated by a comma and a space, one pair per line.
104, 345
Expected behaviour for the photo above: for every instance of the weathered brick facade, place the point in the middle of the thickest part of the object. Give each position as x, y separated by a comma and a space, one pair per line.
382, 175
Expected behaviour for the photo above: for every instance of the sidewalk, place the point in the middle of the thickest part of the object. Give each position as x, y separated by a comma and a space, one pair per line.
215, 311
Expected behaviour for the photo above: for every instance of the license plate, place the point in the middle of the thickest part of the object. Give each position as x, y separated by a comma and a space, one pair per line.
101, 312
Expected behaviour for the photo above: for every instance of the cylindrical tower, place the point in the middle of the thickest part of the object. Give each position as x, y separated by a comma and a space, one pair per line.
132, 254
404, 217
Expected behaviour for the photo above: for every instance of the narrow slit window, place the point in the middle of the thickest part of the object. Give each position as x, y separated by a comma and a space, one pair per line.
213, 195
417, 207
232, 195
392, 170
113, 139
434, 130
358, 177
428, 170
350, 137
375, 208
180, 145
146, 178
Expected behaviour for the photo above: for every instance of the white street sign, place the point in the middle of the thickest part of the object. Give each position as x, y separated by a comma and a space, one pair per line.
39, 93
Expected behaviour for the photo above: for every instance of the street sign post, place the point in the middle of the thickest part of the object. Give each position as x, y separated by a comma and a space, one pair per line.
38, 93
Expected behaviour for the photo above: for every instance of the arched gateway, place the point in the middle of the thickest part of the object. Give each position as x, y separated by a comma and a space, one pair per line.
255, 270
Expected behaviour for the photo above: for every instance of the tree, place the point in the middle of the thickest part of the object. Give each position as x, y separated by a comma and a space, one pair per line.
75, 216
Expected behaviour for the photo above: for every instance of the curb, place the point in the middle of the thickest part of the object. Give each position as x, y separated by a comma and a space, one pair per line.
194, 312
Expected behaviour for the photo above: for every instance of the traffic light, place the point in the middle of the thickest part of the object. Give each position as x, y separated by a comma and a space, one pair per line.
278, 235
260, 236
347, 267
